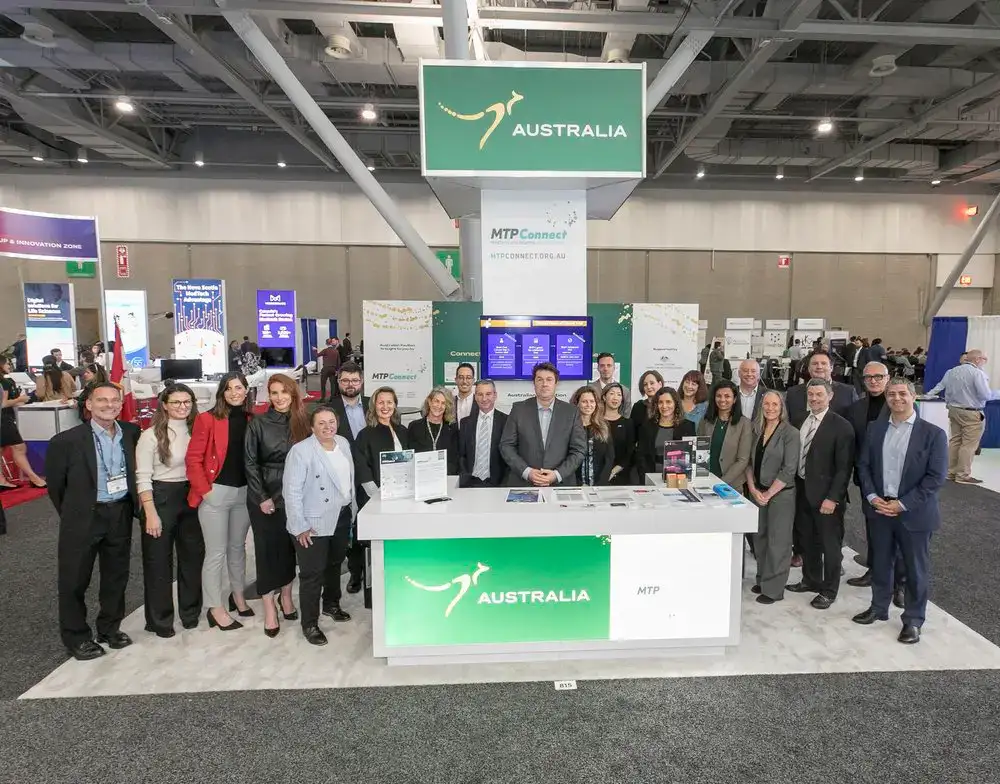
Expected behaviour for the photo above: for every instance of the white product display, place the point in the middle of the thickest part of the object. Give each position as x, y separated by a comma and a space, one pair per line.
430, 475
41, 421
396, 469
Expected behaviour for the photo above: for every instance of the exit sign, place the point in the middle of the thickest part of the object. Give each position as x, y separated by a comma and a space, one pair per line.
81, 269
965, 280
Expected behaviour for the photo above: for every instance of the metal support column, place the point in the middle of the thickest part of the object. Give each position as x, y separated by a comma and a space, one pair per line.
470, 241
963, 261
276, 66
674, 68
456, 29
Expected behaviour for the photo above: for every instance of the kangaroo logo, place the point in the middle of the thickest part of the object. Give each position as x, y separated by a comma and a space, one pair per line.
463, 581
499, 110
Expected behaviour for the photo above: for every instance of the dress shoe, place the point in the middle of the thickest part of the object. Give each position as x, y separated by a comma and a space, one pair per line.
796, 561
272, 633
821, 602
115, 640
354, 586
909, 635
314, 635
899, 598
755, 589
190, 624
868, 617
864, 581
247, 613
86, 650
336, 613
762, 599
801, 587
214, 624
966, 480
166, 633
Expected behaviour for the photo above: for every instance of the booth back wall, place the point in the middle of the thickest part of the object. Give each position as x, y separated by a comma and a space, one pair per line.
874, 294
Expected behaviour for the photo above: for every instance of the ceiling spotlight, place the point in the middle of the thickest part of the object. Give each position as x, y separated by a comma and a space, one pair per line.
935, 181
701, 172
81, 156
370, 165
859, 176
199, 161
124, 105
38, 157
824, 126
780, 173
281, 163
368, 112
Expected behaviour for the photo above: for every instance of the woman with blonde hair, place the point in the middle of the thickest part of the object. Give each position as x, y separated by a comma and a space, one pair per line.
170, 524
436, 429
269, 437
771, 486
599, 459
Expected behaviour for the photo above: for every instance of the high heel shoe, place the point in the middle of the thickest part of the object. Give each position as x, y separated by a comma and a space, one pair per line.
212, 623
289, 616
247, 613
272, 632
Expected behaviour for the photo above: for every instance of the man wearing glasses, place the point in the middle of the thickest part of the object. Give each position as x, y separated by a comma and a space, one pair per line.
966, 391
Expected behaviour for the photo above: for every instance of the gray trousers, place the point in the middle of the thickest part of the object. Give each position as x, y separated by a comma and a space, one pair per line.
224, 524
773, 548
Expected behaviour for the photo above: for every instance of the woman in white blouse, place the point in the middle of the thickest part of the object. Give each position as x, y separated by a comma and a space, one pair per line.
161, 480
318, 488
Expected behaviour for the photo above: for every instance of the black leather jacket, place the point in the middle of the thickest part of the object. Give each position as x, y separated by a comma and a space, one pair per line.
267, 443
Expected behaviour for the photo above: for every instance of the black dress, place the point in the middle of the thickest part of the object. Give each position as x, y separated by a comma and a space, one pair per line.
595, 470
9, 434
623, 440
426, 437
266, 446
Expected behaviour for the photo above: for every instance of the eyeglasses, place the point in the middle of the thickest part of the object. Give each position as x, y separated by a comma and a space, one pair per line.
350, 381
179, 403
875, 377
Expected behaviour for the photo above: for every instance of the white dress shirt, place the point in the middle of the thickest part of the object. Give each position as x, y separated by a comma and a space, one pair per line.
747, 402
463, 406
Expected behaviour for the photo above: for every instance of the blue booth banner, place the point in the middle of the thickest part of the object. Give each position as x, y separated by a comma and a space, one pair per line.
39, 235
275, 318
200, 323
129, 307
49, 321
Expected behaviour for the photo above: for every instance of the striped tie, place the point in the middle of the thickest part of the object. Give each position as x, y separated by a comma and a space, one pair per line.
807, 440
481, 467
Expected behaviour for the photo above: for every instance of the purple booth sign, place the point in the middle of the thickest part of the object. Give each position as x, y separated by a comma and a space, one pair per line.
38, 235
275, 318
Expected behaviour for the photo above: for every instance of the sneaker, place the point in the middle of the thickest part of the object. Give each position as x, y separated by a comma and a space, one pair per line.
951, 477
968, 480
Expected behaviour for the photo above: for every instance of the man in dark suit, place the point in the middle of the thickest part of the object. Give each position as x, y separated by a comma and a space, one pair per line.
479, 460
543, 441
751, 390
464, 400
825, 465
903, 467
90, 471
820, 366
350, 405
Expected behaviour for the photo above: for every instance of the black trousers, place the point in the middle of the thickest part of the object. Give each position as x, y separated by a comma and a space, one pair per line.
327, 375
102, 533
821, 537
319, 569
181, 532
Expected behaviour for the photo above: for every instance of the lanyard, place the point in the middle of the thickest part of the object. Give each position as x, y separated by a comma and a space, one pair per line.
434, 438
100, 454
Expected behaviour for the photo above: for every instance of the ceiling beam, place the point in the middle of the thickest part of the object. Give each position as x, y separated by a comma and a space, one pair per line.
185, 37
856, 154
515, 18
9, 92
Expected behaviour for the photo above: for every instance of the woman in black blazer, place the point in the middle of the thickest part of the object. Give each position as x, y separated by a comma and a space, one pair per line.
669, 424
596, 467
622, 433
383, 433
650, 383
436, 429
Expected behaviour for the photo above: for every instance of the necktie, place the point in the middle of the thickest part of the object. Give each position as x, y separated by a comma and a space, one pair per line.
807, 440
481, 467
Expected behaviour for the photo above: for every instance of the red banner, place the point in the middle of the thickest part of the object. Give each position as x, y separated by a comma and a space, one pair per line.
121, 258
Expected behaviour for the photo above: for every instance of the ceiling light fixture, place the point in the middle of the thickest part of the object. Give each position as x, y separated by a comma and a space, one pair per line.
701, 172
368, 112
281, 163
935, 182
124, 105
38, 157
199, 160
859, 176
780, 173
81, 156
370, 165
825, 126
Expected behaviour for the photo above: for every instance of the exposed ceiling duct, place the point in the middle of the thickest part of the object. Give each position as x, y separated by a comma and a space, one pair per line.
914, 158
416, 41
618, 46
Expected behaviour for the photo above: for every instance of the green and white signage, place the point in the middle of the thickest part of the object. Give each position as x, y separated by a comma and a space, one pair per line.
532, 119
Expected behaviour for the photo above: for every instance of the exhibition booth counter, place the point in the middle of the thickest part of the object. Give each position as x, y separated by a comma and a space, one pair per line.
581, 573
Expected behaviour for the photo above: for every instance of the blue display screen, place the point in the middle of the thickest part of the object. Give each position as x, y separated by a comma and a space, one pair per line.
511, 346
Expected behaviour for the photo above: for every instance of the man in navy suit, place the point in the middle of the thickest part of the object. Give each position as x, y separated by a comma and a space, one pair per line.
903, 467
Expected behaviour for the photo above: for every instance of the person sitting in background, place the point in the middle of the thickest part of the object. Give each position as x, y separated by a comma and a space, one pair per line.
731, 434
650, 383
622, 432
599, 459
91, 375
694, 396
53, 383
57, 360
436, 428
668, 424
99, 356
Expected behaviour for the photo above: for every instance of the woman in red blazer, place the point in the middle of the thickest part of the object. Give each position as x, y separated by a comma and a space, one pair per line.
219, 492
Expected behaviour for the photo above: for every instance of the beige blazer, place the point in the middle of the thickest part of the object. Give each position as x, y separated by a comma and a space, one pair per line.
46, 394
736, 449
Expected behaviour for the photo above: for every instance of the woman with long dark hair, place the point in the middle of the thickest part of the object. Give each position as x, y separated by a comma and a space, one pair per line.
622, 432
219, 492
668, 424
11, 396
731, 434
600, 455
269, 437
650, 383
170, 523
54, 384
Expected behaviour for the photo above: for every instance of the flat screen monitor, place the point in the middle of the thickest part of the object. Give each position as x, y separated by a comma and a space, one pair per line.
511, 346
180, 369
